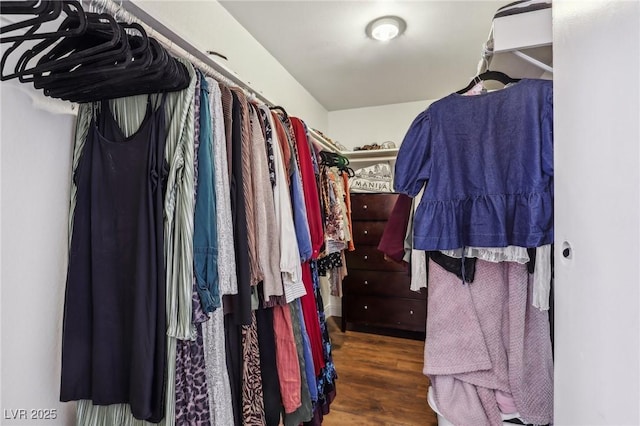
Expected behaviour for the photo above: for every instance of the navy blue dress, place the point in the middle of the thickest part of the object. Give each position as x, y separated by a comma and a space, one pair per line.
114, 331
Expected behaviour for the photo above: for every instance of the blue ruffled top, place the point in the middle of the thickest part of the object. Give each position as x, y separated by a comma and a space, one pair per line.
487, 163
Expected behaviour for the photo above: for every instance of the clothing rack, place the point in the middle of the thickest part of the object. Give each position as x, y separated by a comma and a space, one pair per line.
127, 11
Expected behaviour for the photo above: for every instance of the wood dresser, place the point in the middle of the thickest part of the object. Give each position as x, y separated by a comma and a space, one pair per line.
376, 292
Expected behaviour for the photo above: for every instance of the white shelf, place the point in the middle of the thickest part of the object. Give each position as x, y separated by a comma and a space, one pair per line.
522, 31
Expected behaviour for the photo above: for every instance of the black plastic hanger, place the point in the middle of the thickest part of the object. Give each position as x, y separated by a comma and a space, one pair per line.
26, 7
487, 76
49, 12
163, 74
68, 46
104, 39
76, 24
74, 14
104, 81
90, 57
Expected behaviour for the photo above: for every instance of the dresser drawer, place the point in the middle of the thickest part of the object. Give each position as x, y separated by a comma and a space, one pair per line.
368, 232
397, 313
380, 283
372, 206
370, 258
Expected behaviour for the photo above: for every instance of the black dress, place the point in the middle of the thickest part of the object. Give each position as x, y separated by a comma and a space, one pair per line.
114, 332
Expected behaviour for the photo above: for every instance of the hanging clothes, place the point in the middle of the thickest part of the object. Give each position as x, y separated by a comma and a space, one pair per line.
246, 162
300, 214
293, 284
304, 412
192, 394
311, 197
290, 269
417, 257
115, 297
392, 240
496, 341
309, 368
466, 147
336, 230
217, 376
265, 214
240, 304
314, 220
347, 200
311, 318
221, 369
241, 307
252, 393
287, 359
326, 380
481, 168
205, 243
268, 367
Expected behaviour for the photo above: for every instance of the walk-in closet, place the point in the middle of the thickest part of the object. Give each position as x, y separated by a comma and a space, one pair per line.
221, 213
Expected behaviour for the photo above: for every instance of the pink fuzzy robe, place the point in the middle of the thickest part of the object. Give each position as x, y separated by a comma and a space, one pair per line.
487, 336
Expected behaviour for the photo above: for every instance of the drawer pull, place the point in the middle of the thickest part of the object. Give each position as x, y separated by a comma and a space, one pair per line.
364, 206
365, 257
366, 282
411, 311
366, 232
366, 307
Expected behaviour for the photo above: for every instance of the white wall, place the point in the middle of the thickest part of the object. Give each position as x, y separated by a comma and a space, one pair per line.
364, 126
597, 210
208, 26
36, 161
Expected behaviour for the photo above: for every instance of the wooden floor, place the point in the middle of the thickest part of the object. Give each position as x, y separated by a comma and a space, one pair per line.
380, 380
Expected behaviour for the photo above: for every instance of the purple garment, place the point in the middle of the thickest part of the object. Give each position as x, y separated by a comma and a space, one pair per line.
192, 397
392, 240
487, 336
487, 162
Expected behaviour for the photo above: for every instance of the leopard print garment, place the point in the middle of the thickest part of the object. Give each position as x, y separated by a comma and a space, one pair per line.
192, 397
192, 393
252, 397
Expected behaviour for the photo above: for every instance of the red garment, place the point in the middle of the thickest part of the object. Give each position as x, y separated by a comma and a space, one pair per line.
309, 185
311, 320
392, 240
287, 359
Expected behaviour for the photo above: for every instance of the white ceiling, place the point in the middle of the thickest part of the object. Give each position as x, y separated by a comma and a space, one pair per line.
324, 46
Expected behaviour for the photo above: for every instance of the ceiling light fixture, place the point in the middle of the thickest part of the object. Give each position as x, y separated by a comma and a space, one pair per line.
386, 28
